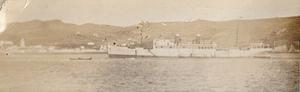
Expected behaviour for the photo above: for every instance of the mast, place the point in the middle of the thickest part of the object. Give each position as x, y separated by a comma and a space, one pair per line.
237, 32
277, 33
237, 36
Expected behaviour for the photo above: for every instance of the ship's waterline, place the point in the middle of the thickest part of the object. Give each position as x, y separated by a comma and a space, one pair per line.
51, 72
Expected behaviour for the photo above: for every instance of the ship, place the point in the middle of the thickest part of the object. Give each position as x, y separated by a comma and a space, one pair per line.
197, 48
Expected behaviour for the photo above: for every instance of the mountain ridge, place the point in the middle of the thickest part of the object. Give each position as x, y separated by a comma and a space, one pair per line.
59, 33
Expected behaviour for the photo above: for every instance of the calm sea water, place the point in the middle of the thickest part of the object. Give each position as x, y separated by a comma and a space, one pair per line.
56, 73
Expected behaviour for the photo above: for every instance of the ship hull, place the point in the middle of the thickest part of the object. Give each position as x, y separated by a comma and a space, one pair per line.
124, 52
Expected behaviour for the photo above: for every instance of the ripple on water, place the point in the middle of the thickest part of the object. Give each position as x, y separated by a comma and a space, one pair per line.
57, 73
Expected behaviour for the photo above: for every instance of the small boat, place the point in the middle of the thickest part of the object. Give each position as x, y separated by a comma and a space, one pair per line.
81, 58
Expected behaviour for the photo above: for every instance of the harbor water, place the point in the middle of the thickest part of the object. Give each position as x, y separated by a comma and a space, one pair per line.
57, 73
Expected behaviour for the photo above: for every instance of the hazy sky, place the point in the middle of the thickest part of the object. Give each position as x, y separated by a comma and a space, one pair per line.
128, 12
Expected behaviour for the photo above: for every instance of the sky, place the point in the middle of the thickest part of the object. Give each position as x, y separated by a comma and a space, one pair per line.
129, 12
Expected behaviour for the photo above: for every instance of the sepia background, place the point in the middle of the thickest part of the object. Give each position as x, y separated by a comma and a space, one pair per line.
77, 30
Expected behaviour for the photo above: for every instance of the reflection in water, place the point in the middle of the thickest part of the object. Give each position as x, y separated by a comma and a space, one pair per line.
57, 73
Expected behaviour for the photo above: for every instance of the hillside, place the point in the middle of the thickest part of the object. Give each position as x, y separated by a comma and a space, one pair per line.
56, 32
